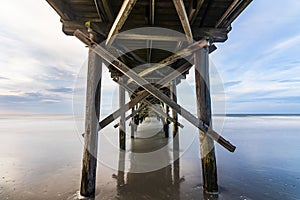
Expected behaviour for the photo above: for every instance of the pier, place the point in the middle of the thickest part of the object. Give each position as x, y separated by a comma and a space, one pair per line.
149, 46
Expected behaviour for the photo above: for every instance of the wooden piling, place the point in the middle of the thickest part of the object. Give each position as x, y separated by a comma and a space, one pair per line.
122, 126
209, 166
132, 123
92, 113
173, 96
154, 91
166, 121
176, 166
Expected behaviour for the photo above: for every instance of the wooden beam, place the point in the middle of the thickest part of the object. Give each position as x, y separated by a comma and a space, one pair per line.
213, 34
133, 112
137, 36
194, 9
152, 11
144, 94
204, 14
173, 96
179, 5
99, 10
171, 59
153, 107
93, 93
122, 124
104, 10
62, 9
70, 26
237, 12
228, 12
120, 20
207, 149
156, 93
132, 123
108, 10
166, 121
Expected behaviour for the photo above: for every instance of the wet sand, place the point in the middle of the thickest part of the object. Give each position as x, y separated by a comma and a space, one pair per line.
40, 158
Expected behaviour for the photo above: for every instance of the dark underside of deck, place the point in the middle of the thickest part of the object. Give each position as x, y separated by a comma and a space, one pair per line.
206, 18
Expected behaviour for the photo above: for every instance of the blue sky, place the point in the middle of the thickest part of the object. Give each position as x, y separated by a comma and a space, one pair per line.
259, 64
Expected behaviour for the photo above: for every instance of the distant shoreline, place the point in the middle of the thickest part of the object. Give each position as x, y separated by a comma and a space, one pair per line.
215, 115
255, 115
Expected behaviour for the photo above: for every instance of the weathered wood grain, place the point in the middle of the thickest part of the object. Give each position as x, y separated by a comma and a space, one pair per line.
156, 93
93, 97
207, 149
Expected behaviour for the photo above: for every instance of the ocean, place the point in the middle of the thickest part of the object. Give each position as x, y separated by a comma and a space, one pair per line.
40, 158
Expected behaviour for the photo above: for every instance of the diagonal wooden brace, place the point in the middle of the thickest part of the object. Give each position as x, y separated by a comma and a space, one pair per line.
154, 107
144, 94
155, 92
131, 114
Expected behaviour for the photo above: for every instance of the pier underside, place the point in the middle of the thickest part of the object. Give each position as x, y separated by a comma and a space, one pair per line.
149, 46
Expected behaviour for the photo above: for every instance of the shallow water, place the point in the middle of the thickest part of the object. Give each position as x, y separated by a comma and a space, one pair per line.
40, 158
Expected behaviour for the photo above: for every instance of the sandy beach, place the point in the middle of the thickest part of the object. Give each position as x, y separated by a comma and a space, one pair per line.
40, 158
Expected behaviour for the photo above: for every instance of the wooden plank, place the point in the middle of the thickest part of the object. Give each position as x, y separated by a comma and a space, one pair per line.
143, 95
166, 121
152, 12
70, 26
179, 5
132, 123
156, 93
173, 96
93, 93
104, 11
137, 36
122, 124
108, 10
194, 10
214, 34
237, 12
62, 9
171, 59
207, 150
120, 20
133, 112
154, 107
230, 9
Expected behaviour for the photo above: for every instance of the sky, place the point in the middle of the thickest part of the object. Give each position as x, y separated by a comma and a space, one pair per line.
43, 70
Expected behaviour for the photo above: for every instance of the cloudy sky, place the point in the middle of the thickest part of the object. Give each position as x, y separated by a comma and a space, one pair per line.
40, 67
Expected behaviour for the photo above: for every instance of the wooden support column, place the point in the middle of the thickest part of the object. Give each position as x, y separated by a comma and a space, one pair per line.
120, 20
155, 92
122, 125
176, 167
121, 173
132, 123
173, 96
207, 150
166, 121
92, 113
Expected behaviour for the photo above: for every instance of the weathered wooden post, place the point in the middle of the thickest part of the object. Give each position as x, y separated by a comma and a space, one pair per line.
92, 113
132, 123
173, 96
176, 160
207, 150
166, 121
176, 166
122, 126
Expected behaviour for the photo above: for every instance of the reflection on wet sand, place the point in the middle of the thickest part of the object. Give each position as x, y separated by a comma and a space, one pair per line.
163, 183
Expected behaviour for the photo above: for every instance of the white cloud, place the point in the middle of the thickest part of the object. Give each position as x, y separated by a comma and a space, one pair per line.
35, 54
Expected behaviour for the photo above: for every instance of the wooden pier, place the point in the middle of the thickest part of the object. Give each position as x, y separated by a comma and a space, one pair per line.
149, 62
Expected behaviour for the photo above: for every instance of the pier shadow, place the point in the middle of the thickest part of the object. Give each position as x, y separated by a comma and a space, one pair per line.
163, 183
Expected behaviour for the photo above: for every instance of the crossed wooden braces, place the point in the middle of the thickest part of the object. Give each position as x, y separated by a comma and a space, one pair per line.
150, 89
